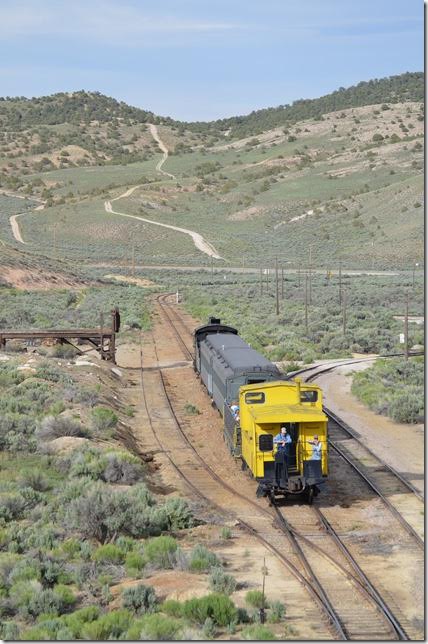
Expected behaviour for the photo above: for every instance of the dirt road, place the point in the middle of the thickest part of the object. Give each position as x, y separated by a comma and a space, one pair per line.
200, 243
16, 231
155, 134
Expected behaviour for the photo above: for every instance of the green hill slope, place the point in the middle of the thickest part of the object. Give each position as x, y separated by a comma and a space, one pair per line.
347, 183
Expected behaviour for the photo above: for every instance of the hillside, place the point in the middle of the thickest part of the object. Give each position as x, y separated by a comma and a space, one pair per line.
340, 175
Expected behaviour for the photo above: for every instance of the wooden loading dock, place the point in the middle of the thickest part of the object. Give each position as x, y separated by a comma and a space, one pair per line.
102, 338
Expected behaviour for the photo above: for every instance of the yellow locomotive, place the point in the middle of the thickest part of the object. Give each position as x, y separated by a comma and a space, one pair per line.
232, 371
263, 410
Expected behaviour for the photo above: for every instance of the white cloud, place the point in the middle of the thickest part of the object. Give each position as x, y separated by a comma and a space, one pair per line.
98, 20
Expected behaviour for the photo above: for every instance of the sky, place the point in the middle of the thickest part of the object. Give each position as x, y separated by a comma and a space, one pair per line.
205, 59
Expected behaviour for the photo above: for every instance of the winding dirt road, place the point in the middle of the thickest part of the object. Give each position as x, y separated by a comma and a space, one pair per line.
155, 134
200, 243
16, 231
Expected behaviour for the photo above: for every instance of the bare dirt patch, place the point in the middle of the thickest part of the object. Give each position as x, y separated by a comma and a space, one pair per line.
247, 213
139, 281
35, 279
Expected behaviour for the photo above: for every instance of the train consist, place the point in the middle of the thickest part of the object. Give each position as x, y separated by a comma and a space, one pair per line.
256, 401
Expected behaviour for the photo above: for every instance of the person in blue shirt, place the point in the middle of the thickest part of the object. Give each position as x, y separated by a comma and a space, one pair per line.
283, 441
316, 449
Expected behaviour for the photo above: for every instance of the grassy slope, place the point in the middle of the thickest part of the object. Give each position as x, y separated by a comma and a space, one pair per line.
241, 194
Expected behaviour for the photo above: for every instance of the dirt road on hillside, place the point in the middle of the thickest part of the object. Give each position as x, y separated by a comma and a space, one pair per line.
200, 243
155, 134
16, 231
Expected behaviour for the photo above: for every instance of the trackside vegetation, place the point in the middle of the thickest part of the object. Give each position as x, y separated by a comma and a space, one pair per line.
81, 534
394, 388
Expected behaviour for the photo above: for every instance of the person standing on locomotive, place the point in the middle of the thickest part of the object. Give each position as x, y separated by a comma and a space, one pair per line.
316, 449
283, 441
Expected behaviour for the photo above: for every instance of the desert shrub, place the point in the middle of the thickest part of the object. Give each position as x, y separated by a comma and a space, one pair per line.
140, 599
65, 596
161, 551
47, 371
154, 627
63, 351
221, 582
87, 395
122, 468
9, 375
201, 559
134, 564
9, 631
23, 570
172, 607
226, 533
216, 606
109, 553
72, 490
209, 629
258, 632
37, 536
393, 388
36, 480
52, 427
276, 612
256, 599
31, 600
71, 547
76, 621
12, 506
112, 626
87, 461
103, 418
52, 570
191, 409
102, 513
127, 544
174, 514
407, 406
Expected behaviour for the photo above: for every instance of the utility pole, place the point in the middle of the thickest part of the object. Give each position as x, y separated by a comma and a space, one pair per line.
54, 238
340, 282
262, 612
310, 273
261, 281
406, 329
414, 269
276, 285
282, 282
344, 312
306, 303
212, 267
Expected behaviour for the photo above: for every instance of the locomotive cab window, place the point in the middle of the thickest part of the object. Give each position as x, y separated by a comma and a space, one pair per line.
255, 397
310, 396
254, 381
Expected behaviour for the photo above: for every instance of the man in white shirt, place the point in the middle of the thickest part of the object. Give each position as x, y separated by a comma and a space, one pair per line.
316, 449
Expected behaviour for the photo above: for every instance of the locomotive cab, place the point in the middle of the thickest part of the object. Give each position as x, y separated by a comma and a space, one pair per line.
264, 409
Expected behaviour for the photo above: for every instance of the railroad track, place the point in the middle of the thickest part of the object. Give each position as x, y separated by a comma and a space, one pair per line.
382, 479
377, 620
206, 484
